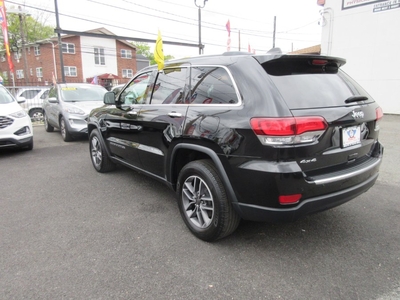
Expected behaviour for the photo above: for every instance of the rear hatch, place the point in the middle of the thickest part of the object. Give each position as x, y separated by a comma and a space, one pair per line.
335, 123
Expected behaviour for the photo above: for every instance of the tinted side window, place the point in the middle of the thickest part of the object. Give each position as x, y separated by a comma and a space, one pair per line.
29, 94
211, 85
44, 95
53, 93
169, 86
137, 91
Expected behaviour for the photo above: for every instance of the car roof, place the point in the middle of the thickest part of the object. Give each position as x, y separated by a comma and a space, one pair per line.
230, 57
80, 85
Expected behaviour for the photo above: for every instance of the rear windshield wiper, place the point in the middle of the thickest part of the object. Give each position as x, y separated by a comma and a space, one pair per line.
356, 99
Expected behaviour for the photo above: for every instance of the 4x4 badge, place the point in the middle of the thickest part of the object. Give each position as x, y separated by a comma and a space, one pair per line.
357, 114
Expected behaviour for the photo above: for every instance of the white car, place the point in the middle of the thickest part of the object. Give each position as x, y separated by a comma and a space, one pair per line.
33, 100
15, 124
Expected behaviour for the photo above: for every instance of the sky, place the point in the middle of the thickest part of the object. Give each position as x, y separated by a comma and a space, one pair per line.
251, 22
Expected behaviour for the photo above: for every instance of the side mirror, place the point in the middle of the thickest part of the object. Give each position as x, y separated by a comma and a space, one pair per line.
109, 98
53, 100
21, 99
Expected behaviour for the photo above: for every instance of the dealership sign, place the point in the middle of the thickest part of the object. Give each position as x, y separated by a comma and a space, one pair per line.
386, 5
353, 3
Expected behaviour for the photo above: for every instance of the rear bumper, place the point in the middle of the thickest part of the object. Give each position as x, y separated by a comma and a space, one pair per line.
309, 206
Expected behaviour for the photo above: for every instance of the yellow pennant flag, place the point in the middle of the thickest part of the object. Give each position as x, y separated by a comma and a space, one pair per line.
159, 53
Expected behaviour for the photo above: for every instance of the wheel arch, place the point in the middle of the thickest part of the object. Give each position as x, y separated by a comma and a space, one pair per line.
184, 153
94, 125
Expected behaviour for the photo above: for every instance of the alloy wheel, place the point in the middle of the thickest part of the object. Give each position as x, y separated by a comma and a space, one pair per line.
198, 202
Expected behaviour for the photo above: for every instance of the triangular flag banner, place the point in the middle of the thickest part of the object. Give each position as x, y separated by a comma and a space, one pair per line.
159, 53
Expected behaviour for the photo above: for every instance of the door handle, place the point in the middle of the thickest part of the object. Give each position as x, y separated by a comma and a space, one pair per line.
132, 113
175, 114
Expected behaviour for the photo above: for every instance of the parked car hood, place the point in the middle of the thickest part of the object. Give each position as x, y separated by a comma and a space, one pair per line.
86, 106
9, 108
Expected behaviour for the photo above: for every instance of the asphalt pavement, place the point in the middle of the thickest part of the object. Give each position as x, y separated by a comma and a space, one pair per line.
68, 232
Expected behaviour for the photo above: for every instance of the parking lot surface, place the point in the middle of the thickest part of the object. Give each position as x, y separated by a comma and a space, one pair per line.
68, 232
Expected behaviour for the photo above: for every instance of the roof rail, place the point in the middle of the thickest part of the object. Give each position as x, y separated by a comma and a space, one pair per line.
230, 53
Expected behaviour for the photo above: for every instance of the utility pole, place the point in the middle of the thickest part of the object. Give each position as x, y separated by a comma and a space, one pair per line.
21, 15
273, 41
239, 40
59, 42
201, 50
21, 28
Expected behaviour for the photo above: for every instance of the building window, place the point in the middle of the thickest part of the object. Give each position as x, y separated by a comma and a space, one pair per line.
36, 50
126, 53
99, 58
20, 74
17, 55
68, 48
31, 71
3, 57
39, 72
70, 71
127, 73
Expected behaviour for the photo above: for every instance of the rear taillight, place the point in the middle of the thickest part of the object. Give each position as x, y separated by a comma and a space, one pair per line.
288, 131
379, 116
379, 113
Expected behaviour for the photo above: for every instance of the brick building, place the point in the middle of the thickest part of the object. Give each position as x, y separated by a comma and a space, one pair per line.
84, 58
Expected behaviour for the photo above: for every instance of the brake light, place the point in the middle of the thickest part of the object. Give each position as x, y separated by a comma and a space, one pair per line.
319, 62
289, 199
288, 131
379, 113
379, 116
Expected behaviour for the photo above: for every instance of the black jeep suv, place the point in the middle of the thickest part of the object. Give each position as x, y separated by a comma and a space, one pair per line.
240, 136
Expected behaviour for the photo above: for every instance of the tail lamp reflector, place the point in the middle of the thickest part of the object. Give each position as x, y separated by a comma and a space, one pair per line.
289, 199
379, 113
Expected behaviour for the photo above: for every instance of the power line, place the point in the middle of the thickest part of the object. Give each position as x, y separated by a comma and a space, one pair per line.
247, 32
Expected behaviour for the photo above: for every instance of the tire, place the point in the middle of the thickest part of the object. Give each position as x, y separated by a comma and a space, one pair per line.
64, 131
203, 203
36, 115
100, 160
47, 126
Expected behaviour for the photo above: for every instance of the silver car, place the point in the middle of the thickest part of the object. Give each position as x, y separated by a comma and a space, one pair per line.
68, 105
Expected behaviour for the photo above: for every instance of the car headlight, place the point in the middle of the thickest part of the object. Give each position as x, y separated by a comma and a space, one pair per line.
19, 114
74, 110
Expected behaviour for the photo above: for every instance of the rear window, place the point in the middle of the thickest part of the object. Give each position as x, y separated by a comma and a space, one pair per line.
29, 94
305, 85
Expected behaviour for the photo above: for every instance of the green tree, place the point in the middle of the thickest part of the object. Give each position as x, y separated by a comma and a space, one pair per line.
144, 49
34, 30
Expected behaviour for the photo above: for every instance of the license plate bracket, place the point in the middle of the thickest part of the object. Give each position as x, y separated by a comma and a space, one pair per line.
351, 136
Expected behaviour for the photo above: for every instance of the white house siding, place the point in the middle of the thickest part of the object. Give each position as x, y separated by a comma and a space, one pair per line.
366, 33
88, 66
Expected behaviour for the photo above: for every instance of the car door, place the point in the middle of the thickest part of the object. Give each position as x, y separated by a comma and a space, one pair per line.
50, 106
124, 123
162, 119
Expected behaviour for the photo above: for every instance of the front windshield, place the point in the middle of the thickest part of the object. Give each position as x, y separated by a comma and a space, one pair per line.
84, 93
5, 97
